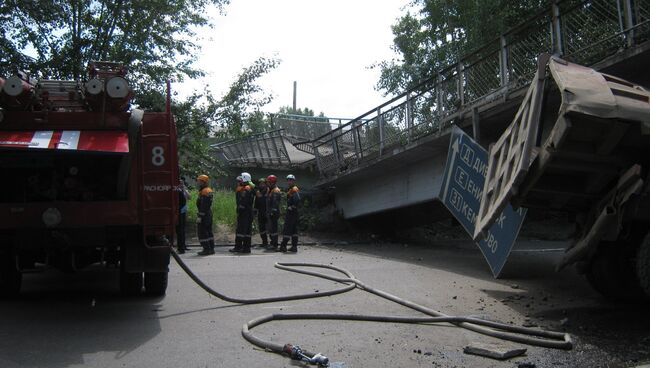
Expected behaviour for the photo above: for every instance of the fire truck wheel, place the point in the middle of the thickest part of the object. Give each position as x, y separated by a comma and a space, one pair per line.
10, 277
130, 283
155, 283
611, 273
643, 265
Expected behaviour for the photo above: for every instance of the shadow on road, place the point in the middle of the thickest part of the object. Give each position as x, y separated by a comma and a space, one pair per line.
61, 317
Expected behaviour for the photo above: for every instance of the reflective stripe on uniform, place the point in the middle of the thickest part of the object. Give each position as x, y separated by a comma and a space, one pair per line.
206, 239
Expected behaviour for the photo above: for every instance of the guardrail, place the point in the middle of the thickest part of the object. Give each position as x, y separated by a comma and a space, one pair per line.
581, 31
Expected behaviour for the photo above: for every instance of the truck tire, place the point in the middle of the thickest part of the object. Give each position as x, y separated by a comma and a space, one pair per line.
643, 265
611, 273
10, 277
155, 283
130, 283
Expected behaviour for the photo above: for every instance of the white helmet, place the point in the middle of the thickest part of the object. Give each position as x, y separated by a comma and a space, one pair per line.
291, 177
245, 177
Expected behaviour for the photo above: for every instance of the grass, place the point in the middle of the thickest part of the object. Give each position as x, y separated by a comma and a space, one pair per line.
223, 208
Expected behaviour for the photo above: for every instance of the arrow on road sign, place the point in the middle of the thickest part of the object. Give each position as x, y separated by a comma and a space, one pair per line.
462, 198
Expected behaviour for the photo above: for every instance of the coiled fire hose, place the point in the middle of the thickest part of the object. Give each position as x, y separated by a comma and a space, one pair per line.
525, 335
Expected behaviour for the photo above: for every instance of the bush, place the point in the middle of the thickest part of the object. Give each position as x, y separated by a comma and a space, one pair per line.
223, 208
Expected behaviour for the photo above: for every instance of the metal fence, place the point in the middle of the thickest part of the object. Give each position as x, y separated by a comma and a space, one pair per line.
581, 31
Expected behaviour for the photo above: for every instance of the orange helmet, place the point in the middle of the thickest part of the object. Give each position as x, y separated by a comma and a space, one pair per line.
203, 178
272, 179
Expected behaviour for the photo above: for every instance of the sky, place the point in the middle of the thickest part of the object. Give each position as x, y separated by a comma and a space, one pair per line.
326, 46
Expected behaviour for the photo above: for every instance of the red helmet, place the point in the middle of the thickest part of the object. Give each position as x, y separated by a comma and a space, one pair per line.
272, 179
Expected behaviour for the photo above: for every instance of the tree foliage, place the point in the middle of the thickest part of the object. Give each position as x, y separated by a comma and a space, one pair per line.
202, 115
156, 40
238, 112
443, 30
58, 38
305, 111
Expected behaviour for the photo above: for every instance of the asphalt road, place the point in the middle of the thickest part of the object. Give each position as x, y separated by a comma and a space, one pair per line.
80, 320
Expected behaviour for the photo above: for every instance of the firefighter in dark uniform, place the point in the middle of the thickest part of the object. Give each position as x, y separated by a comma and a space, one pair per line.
183, 196
204, 216
244, 198
290, 230
273, 210
261, 193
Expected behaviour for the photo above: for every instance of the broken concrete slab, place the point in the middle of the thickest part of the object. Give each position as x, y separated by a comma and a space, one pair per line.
493, 350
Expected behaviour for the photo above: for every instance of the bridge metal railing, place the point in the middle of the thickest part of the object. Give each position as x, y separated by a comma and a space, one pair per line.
581, 31
265, 149
276, 146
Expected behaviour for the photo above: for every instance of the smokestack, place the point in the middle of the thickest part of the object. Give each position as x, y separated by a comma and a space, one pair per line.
295, 91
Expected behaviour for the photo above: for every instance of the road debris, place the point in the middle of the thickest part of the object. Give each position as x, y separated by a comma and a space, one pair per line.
493, 350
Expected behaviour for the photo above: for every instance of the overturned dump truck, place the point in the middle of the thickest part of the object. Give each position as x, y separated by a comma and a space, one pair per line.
85, 180
580, 143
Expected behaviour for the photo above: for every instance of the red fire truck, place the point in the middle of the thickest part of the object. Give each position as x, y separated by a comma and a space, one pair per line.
85, 180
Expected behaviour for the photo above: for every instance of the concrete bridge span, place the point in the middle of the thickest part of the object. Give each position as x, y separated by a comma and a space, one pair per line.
404, 167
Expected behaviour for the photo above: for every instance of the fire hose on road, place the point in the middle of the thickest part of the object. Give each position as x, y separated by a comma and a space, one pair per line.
530, 336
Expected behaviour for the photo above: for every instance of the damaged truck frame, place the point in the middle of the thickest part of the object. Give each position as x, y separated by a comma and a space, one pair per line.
85, 180
580, 143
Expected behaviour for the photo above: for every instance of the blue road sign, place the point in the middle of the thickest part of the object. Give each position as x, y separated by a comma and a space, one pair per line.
461, 192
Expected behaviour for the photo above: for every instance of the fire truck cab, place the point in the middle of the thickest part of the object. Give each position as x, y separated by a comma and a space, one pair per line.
85, 179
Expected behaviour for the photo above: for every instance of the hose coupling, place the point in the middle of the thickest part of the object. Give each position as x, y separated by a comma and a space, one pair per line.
295, 353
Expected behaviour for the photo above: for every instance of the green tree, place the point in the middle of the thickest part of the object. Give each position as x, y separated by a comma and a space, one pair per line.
237, 113
202, 116
443, 30
155, 38
298, 111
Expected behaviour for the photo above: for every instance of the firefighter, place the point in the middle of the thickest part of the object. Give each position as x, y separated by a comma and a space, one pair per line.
290, 230
183, 196
261, 193
273, 210
204, 216
244, 199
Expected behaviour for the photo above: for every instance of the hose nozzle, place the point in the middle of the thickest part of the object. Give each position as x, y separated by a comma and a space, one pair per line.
295, 353
320, 359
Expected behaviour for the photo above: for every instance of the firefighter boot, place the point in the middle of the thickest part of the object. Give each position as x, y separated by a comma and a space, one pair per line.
294, 244
238, 246
206, 251
265, 241
273, 247
283, 246
246, 245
